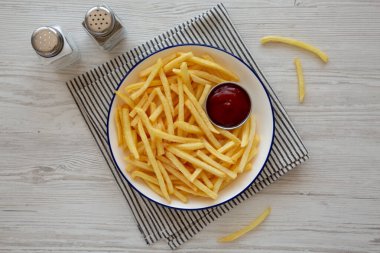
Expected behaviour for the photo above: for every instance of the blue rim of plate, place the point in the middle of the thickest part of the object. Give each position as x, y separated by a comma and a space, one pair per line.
179, 208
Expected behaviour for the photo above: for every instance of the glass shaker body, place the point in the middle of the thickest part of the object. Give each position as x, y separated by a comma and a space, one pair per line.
53, 47
104, 26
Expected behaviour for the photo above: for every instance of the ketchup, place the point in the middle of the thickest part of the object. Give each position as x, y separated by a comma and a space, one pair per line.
228, 105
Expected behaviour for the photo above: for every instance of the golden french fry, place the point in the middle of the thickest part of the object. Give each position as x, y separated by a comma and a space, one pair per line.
128, 137
190, 191
205, 92
198, 91
216, 165
139, 164
195, 174
202, 124
126, 99
186, 76
197, 79
172, 138
198, 163
166, 178
153, 161
245, 135
151, 76
180, 196
165, 60
200, 110
143, 105
207, 76
119, 130
154, 188
205, 189
230, 136
235, 235
217, 154
207, 181
301, 81
213, 65
174, 171
144, 176
154, 116
181, 112
131, 87
167, 92
175, 63
187, 127
168, 114
190, 146
226, 147
297, 43
244, 158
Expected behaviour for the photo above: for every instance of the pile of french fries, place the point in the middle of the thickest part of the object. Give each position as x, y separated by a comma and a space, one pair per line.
168, 140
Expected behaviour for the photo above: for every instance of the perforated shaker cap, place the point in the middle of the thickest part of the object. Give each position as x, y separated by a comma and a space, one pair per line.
47, 41
99, 21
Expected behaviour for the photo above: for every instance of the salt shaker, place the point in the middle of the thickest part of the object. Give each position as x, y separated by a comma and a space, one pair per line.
53, 47
103, 26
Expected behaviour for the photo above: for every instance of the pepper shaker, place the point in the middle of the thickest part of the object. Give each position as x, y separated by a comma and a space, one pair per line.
103, 26
54, 47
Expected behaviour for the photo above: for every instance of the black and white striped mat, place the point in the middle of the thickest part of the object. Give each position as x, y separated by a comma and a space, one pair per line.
93, 91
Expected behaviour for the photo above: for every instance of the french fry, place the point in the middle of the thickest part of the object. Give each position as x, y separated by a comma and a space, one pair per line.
235, 235
186, 76
166, 178
187, 127
175, 63
213, 65
301, 81
180, 196
139, 164
216, 165
230, 136
226, 147
119, 131
151, 76
167, 92
217, 154
200, 110
135, 86
244, 159
154, 116
205, 189
297, 43
197, 79
126, 99
144, 176
207, 181
192, 192
245, 134
165, 60
172, 138
205, 92
190, 146
202, 124
181, 112
128, 133
195, 161
207, 76
153, 161
195, 174
143, 105
173, 171
168, 114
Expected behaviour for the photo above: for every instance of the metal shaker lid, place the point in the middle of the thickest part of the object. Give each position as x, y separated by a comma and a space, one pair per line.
47, 41
99, 21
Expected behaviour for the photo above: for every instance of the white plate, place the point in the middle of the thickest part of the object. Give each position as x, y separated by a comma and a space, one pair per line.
261, 109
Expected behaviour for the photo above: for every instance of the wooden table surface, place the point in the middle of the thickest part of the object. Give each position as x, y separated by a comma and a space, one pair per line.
58, 195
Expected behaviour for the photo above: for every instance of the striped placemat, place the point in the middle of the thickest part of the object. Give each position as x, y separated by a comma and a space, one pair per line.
93, 90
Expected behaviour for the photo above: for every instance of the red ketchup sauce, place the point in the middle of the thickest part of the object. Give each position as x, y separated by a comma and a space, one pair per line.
228, 105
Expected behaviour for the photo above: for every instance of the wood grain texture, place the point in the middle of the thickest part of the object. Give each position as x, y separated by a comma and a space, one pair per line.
57, 194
